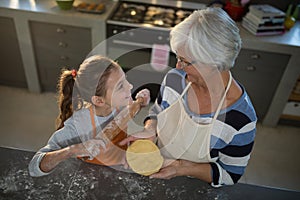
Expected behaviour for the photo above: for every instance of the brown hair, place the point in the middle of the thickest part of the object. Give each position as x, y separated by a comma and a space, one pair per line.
90, 81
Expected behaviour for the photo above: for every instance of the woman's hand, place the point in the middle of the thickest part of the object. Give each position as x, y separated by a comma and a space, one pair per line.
169, 169
149, 133
145, 93
145, 134
173, 168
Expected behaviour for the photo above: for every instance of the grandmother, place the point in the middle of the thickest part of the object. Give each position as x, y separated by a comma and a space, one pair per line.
203, 119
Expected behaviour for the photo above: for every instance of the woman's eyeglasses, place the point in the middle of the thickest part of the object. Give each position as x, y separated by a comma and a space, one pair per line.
183, 63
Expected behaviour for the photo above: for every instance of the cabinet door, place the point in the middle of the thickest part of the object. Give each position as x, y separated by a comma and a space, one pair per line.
260, 73
56, 47
12, 71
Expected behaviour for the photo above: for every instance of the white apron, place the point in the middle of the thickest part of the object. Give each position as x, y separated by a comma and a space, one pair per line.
179, 137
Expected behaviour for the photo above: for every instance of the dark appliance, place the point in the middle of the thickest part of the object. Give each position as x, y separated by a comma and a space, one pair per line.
133, 31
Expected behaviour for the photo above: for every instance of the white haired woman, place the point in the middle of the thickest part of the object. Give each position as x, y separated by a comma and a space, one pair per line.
203, 119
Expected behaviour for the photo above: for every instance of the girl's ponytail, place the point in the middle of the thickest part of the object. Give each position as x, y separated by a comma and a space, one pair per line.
65, 94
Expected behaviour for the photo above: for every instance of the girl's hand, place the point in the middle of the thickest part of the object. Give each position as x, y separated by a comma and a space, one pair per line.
145, 93
90, 148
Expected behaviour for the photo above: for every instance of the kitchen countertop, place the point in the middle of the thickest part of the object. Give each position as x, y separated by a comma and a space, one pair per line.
290, 38
285, 43
74, 179
51, 7
23, 11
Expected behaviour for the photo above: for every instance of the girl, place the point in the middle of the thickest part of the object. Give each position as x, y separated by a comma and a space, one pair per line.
95, 93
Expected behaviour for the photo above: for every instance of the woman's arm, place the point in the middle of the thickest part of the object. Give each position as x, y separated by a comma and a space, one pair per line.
173, 168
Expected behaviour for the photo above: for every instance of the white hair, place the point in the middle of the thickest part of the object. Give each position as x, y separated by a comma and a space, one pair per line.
208, 36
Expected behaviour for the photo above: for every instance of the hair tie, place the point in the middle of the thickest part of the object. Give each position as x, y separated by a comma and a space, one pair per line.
74, 73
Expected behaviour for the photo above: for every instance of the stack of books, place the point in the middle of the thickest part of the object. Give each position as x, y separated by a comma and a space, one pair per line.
264, 20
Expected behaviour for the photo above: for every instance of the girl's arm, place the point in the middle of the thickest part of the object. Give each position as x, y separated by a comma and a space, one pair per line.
90, 148
52, 159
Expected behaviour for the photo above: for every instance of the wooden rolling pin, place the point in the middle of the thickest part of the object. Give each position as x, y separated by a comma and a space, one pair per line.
120, 121
113, 133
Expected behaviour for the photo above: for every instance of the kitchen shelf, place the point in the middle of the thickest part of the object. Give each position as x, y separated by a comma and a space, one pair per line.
289, 120
294, 97
290, 117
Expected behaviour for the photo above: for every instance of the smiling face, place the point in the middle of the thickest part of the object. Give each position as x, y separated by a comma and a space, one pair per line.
192, 73
196, 71
118, 92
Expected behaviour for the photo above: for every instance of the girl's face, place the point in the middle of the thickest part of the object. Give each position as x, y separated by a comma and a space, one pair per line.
118, 92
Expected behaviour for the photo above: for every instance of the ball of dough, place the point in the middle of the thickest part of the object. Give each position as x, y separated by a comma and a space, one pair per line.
144, 157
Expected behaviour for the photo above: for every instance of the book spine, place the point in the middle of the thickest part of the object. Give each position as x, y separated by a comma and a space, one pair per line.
262, 26
262, 32
265, 10
264, 21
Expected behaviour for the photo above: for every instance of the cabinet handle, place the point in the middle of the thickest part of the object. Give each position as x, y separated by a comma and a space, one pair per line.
64, 57
60, 30
255, 56
251, 68
62, 44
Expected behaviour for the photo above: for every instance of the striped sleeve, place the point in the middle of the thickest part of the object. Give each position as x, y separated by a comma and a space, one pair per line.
171, 87
233, 144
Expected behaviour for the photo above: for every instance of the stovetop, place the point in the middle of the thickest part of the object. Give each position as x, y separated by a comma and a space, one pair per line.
149, 15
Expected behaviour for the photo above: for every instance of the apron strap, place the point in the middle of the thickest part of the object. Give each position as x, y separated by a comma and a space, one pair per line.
186, 89
223, 98
93, 121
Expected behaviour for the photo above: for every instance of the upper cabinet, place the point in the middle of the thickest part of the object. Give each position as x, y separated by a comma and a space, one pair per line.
12, 70
58, 46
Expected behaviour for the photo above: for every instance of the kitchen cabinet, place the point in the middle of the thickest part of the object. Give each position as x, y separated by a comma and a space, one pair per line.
260, 73
291, 112
58, 46
12, 70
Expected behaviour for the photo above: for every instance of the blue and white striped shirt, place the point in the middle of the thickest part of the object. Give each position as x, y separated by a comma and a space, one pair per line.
233, 133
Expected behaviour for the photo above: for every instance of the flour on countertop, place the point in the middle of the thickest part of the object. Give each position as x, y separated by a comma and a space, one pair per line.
94, 182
